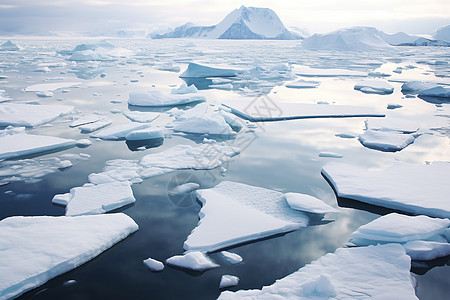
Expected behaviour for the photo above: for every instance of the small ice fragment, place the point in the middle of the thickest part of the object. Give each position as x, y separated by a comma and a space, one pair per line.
194, 260
120, 131
91, 127
64, 164
84, 143
330, 154
374, 86
308, 203
154, 265
390, 141
232, 258
69, 282
184, 89
145, 134
184, 188
45, 94
62, 199
228, 281
141, 117
394, 106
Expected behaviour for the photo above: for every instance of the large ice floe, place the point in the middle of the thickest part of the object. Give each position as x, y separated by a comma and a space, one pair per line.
30, 115
235, 213
379, 272
264, 110
374, 87
21, 144
159, 98
417, 189
37, 249
422, 237
201, 71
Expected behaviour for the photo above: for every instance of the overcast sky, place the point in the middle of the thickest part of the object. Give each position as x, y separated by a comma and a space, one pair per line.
34, 16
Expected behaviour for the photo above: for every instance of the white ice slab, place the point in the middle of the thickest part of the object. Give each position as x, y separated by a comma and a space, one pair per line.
37, 249
31, 115
22, 144
184, 89
392, 124
86, 119
330, 154
264, 110
417, 86
439, 91
228, 281
235, 213
426, 250
397, 228
158, 98
141, 117
98, 199
232, 258
374, 86
43, 87
211, 123
120, 131
302, 84
377, 272
154, 265
390, 141
311, 72
184, 188
418, 189
91, 127
194, 260
201, 71
145, 134
308, 203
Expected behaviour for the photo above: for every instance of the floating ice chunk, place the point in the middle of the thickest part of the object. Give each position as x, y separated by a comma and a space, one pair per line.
86, 119
145, 134
346, 135
21, 144
308, 203
232, 120
84, 143
31, 115
417, 189
141, 117
64, 164
54, 245
265, 110
311, 72
184, 188
302, 84
98, 199
46, 94
394, 106
392, 124
117, 170
250, 213
228, 281
97, 125
330, 154
377, 272
390, 141
43, 87
426, 250
374, 86
120, 131
199, 121
194, 260
438, 91
397, 228
154, 265
9, 46
62, 199
414, 87
201, 71
158, 98
232, 258
184, 89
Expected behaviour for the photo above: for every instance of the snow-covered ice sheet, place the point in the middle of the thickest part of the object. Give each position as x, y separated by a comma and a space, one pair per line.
417, 189
193, 260
374, 87
202, 71
120, 131
308, 203
31, 115
276, 111
43, 87
22, 144
390, 141
306, 71
37, 249
98, 199
235, 213
378, 272
159, 98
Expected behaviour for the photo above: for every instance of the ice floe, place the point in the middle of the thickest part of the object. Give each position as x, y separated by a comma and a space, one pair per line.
98, 199
330, 154
184, 188
194, 260
276, 111
302, 84
232, 258
374, 87
154, 265
43, 87
119, 131
308, 203
53, 245
380, 272
228, 281
426, 250
158, 98
250, 213
201, 71
413, 87
439, 91
390, 141
417, 189
22, 144
30, 115
141, 117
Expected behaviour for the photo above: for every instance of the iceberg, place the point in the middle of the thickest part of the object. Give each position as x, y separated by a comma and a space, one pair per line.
308, 203
374, 87
390, 141
194, 260
154, 265
30, 115
379, 272
98, 199
235, 213
22, 144
195, 70
53, 245
141, 117
9, 46
227, 281
158, 98
119, 131
416, 189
